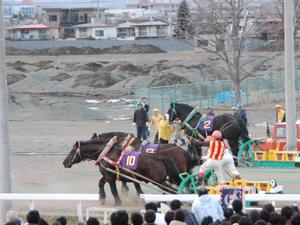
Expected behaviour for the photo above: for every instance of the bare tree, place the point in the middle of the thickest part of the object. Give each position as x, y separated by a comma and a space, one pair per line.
278, 13
227, 25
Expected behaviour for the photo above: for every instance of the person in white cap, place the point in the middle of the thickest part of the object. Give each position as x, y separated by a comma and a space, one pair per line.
280, 114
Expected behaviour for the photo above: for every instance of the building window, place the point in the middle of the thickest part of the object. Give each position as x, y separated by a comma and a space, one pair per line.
83, 30
99, 33
81, 18
53, 18
125, 32
143, 31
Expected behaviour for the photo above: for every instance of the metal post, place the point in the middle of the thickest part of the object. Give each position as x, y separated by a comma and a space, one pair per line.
289, 52
5, 180
79, 211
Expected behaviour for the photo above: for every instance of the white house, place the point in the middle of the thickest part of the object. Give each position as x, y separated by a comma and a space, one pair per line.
142, 29
95, 31
33, 32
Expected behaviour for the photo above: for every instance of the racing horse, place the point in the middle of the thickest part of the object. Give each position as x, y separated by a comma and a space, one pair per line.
153, 168
232, 128
182, 158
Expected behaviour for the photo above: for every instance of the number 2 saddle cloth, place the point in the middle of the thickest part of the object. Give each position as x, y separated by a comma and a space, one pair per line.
206, 124
150, 148
130, 160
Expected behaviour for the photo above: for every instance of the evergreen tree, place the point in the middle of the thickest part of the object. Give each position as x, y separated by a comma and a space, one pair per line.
184, 27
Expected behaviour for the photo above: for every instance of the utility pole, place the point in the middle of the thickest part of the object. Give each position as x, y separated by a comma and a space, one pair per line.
170, 18
289, 53
5, 180
98, 11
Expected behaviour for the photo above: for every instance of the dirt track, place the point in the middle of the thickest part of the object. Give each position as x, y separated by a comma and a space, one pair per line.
46, 174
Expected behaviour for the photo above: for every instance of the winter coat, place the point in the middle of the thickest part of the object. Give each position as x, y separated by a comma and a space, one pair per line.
204, 206
140, 117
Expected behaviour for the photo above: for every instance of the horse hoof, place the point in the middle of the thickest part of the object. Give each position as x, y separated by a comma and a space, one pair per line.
118, 203
102, 201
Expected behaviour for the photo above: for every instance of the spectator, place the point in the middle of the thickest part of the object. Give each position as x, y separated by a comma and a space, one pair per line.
43, 222
114, 219
62, 220
122, 217
295, 219
207, 220
169, 217
265, 215
235, 218
253, 216
33, 217
145, 104
81, 223
150, 217
190, 218
275, 219
237, 206
56, 223
178, 131
12, 216
287, 212
154, 120
92, 221
165, 130
10, 223
160, 218
140, 120
244, 220
136, 218
260, 222
206, 206
226, 223
268, 207
280, 114
227, 214
179, 218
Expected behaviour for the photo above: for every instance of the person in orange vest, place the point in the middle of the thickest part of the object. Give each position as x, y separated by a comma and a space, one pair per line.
216, 150
280, 114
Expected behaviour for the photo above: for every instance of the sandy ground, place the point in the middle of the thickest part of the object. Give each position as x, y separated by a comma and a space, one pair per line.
39, 173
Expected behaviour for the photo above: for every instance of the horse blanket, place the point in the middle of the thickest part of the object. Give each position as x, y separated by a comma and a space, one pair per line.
150, 148
130, 160
206, 124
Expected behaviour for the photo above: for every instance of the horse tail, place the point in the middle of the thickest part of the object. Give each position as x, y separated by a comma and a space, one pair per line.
244, 130
172, 170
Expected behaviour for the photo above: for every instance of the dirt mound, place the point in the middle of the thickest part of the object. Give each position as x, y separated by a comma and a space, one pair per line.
60, 77
14, 78
97, 80
122, 49
168, 79
132, 49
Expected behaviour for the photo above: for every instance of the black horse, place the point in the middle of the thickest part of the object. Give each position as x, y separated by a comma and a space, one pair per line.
232, 128
151, 166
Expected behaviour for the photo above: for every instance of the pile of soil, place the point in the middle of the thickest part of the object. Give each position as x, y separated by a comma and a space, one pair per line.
122, 49
168, 79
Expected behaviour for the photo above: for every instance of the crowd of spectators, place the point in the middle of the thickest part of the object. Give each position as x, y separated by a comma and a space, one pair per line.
205, 211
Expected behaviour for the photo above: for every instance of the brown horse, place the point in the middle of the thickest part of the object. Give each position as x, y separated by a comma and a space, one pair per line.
182, 158
153, 167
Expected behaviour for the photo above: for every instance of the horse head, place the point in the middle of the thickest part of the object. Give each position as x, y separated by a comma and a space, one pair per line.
74, 156
179, 110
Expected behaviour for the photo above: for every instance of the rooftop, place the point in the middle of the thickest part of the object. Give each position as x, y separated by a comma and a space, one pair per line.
93, 25
31, 27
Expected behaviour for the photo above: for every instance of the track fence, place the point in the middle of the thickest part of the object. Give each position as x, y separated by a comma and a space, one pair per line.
260, 89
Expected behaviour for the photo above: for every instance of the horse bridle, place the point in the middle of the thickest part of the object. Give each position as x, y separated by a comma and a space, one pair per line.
173, 110
78, 152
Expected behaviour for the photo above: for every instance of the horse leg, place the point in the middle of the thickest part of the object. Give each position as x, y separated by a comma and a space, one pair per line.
138, 188
124, 188
114, 191
102, 194
234, 145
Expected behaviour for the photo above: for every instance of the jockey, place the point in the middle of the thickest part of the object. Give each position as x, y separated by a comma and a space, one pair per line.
216, 151
209, 111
